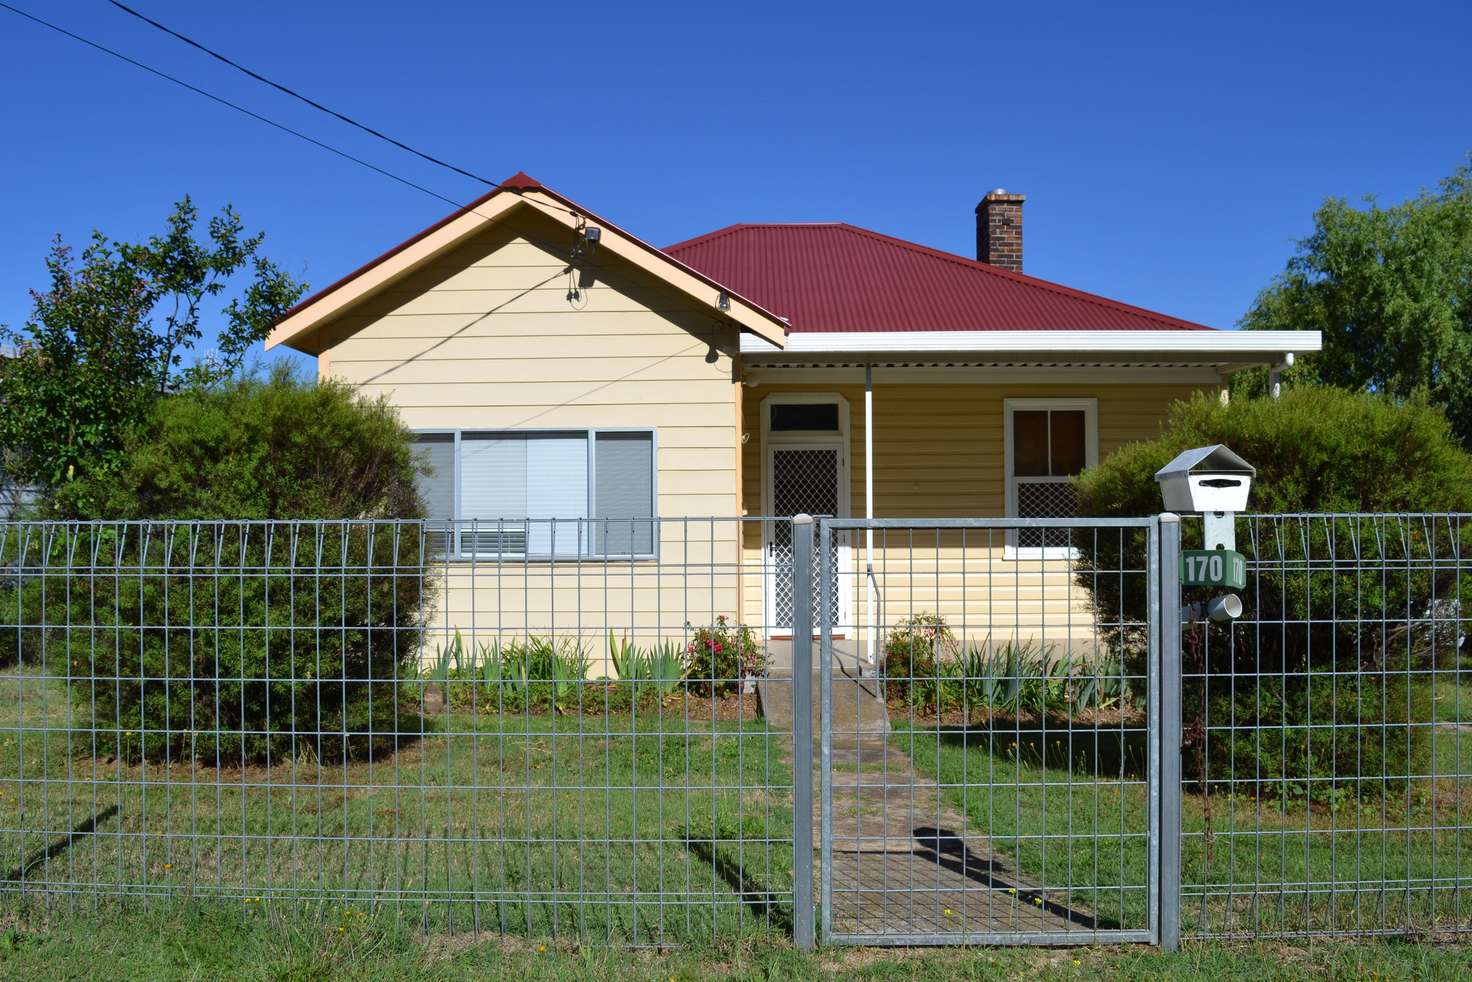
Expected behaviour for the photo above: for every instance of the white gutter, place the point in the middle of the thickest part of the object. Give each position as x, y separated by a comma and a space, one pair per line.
1226, 343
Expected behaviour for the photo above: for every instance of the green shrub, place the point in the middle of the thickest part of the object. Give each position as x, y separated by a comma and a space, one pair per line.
1009, 680
912, 653
719, 658
1315, 449
1308, 735
660, 669
278, 447
246, 641
1322, 592
20, 603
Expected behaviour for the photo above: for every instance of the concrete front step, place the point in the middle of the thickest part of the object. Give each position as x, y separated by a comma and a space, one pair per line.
854, 705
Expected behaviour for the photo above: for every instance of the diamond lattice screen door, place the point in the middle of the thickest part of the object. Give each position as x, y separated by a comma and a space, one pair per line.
805, 479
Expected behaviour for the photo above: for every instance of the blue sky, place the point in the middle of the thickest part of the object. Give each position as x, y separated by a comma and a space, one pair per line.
1170, 153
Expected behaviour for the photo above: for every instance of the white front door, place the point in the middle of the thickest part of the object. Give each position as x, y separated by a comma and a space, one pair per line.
804, 478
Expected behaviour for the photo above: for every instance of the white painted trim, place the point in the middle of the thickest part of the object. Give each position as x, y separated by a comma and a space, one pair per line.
1230, 344
802, 436
985, 374
1090, 407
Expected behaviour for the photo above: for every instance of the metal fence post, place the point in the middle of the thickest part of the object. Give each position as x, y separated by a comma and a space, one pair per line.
802, 731
1169, 729
826, 558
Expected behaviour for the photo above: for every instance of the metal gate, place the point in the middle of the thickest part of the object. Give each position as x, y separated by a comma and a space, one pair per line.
994, 777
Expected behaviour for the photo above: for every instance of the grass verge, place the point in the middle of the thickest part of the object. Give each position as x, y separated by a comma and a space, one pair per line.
624, 826
206, 942
1073, 818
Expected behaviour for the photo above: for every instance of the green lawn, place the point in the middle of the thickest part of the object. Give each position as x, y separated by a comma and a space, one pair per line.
642, 828
1451, 700
208, 941
1251, 866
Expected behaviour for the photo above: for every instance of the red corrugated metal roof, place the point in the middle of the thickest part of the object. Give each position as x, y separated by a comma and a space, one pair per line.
836, 277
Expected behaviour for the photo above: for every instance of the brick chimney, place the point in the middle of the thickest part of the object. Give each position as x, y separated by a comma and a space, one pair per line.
999, 229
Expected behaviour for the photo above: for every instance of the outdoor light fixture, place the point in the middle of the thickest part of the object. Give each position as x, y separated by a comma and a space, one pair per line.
723, 302
591, 235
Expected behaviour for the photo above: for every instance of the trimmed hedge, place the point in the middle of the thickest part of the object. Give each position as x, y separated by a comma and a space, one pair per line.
255, 654
1316, 451
241, 641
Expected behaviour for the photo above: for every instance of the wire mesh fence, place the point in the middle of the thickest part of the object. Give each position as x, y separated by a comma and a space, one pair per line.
557, 729
989, 733
1327, 752
402, 719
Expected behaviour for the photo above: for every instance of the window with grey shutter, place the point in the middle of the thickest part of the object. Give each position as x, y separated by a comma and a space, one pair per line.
624, 495
512, 487
435, 454
543, 494
492, 494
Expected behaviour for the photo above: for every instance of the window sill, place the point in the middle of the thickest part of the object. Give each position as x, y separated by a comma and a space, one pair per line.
1040, 552
493, 559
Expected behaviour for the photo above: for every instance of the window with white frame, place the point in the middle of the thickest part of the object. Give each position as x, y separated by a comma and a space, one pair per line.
552, 494
1048, 442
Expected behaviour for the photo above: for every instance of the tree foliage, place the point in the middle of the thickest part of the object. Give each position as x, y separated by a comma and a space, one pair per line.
1315, 450
1391, 290
258, 448
114, 330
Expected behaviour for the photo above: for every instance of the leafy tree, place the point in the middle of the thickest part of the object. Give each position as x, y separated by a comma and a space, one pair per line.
112, 334
1391, 289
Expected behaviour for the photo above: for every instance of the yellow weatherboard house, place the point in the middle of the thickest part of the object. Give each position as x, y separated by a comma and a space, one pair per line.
568, 380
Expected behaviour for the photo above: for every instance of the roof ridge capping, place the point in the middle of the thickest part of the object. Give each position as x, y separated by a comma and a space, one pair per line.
521, 181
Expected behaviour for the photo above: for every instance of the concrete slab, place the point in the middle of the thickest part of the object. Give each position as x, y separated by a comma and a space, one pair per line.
848, 658
856, 707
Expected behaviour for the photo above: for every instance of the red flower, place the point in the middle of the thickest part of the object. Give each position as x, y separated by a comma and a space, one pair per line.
716, 646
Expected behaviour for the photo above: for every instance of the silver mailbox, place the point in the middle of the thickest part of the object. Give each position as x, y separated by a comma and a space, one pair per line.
1206, 479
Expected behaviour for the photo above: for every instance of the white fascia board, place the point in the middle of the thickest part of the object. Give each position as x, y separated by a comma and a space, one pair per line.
1226, 345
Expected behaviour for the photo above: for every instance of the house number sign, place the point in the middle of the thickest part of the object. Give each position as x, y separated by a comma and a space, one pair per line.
1214, 567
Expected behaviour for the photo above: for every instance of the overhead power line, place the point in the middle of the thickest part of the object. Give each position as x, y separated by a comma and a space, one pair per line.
297, 95
257, 116
226, 102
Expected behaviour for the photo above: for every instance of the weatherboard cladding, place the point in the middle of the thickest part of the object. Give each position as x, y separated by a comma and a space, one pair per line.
837, 277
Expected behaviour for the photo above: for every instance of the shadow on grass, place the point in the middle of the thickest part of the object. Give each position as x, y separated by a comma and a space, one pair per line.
760, 900
1096, 751
42, 856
